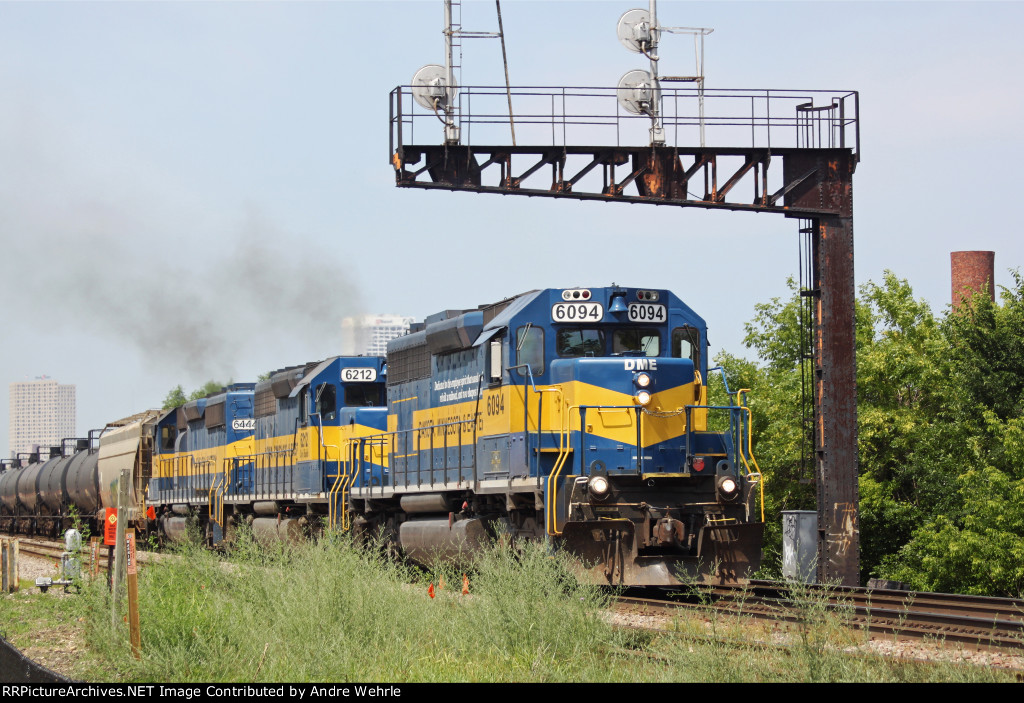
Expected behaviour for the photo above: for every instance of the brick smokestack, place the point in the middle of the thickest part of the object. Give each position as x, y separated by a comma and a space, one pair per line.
972, 271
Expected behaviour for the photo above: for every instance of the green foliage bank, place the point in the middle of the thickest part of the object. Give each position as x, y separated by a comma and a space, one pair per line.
940, 433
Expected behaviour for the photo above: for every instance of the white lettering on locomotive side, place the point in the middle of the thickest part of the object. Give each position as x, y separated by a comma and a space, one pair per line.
640, 364
455, 389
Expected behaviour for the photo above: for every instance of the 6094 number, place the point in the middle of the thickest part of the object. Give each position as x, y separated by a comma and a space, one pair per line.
577, 312
646, 312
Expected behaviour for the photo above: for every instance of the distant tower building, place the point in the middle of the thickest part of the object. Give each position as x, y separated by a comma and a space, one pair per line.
42, 413
369, 334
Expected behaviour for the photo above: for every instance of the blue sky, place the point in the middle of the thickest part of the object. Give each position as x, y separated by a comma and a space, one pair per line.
200, 190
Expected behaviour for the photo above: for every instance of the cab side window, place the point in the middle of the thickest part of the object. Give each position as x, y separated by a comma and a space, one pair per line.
530, 349
326, 401
686, 345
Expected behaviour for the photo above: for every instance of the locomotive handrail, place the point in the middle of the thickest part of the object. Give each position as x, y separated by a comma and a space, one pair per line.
526, 408
733, 429
382, 439
216, 496
346, 518
738, 433
540, 406
333, 492
742, 402
339, 489
320, 435
551, 518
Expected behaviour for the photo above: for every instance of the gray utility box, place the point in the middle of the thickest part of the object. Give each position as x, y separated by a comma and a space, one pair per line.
800, 545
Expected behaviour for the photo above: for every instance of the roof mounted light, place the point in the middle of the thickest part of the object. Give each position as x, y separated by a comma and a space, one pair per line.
576, 294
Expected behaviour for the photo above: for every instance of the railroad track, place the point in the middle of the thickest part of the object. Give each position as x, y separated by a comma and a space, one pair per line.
971, 621
52, 549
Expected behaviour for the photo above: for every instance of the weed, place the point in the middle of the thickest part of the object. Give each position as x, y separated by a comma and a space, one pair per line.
332, 610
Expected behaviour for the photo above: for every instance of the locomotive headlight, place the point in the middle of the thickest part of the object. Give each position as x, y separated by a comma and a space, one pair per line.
599, 487
643, 380
642, 397
728, 488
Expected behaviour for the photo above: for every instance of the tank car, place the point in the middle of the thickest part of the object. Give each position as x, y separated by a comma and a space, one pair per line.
577, 416
76, 481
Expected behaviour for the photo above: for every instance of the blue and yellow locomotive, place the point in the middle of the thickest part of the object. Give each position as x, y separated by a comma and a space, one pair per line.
574, 416
269, 454
577, 416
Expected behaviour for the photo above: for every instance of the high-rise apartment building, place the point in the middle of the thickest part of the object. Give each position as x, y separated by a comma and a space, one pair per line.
369, 334
42, 413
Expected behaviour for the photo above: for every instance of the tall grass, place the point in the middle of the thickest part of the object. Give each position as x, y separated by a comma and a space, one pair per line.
329, 611
332, 612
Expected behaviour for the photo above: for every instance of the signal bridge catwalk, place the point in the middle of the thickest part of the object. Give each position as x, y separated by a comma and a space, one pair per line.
815, 135
688, 147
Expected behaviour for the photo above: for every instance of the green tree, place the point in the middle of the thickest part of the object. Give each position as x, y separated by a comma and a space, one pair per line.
940, 433
175, 398
208, 388
972, 538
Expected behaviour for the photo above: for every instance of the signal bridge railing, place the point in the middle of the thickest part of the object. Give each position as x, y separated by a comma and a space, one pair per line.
578, 116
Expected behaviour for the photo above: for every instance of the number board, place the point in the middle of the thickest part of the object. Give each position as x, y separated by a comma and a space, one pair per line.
243, 424
577, 312
358, 375
646, 312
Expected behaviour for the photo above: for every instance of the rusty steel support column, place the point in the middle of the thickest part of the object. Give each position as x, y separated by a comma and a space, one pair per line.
835, 407
827, 185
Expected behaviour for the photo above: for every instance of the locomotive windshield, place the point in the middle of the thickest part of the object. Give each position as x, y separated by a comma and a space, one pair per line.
572, 342
363, 395
636, 340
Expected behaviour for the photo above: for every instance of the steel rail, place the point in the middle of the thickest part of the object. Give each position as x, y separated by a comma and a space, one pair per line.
972, 621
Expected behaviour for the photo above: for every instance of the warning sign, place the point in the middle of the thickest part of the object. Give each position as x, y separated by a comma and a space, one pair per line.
110, 527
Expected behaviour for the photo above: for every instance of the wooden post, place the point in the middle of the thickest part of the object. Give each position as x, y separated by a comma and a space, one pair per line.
94, 556
123, 485
9, 573
133, 594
